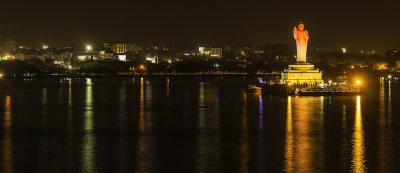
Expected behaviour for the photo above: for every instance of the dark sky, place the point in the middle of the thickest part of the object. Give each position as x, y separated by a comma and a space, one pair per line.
356, 25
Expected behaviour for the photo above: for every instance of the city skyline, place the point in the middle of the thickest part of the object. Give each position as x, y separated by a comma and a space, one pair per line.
354, 25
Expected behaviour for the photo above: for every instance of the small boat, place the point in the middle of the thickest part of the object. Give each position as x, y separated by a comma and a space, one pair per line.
254, 89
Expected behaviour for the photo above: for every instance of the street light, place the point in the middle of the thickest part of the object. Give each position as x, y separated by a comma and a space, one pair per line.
89, 48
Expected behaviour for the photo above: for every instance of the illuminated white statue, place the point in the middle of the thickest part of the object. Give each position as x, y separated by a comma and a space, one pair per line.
301, 37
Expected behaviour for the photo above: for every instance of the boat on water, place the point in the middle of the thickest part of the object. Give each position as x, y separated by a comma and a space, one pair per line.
254, 89
328, 92
313, 89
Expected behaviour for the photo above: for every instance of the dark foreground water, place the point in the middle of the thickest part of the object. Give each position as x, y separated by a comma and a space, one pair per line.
192, 125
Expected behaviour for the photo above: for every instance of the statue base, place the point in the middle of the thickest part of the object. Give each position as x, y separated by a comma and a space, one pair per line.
301, 73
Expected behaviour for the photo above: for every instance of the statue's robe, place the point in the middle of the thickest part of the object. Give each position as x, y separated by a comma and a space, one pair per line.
301, 43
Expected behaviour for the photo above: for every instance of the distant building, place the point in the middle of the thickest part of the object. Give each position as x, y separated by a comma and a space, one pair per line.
123, 47
152, 59
122, 57
216, 52
66, 57
210, 52
107, 55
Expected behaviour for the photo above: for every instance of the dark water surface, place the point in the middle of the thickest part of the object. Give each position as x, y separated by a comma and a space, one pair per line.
192, 125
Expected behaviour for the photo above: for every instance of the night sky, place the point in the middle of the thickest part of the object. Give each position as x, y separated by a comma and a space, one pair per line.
356, 25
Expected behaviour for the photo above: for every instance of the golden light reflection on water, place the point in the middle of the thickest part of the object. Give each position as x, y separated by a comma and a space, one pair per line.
384, 139
358, 152
303, 149
382, 133
70, 136
141, 107
201, 143
303, 140
167, 88
143, 161
70, 105
389, 102
88, 148
7, 141
289, 139
244, 146
208, 146
140, 165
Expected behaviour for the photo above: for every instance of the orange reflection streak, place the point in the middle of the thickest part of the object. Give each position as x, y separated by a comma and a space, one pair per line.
201, 143
304, 141
70, 154
382, 154
7, 141
244, 146
358, 160
70, 105
389, 102
141, 164
289, 139
167, 87
141, 108
389, 132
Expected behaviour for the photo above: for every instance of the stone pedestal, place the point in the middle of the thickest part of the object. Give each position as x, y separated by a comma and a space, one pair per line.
301, 73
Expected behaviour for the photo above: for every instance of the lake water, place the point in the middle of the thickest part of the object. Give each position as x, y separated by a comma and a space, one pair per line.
192, 125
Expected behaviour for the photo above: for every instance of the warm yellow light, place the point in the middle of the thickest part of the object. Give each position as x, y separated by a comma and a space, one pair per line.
358, 82
141, 67
330, 81
352, 67
88, 47
289, 84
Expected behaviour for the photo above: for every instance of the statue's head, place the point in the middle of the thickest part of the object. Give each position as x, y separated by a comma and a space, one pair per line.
300, 26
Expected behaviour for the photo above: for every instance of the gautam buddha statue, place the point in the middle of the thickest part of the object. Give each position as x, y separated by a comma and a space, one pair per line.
301, 37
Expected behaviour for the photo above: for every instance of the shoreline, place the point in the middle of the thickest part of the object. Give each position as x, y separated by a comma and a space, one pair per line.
130, 75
